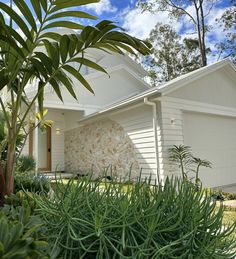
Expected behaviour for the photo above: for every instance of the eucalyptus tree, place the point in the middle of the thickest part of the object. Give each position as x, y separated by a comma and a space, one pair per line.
32, 48
171, 56
227, 46
195, 10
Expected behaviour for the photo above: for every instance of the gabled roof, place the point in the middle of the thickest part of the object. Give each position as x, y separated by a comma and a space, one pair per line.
168, 87
194, 75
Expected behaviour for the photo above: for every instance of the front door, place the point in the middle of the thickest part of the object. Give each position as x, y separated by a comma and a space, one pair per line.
44, 149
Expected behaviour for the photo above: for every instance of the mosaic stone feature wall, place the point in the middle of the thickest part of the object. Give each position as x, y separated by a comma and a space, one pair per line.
98, 145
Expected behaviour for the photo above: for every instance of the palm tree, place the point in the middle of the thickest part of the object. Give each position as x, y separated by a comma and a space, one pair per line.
31, 48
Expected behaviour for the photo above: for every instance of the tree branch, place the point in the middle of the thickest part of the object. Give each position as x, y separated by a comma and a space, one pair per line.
172, 4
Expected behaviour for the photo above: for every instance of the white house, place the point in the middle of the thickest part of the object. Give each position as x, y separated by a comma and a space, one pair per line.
129, 124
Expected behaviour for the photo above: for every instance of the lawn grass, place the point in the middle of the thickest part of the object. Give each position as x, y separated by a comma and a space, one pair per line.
229, 217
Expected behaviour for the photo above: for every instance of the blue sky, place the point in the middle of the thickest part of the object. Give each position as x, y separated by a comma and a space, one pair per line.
139, 24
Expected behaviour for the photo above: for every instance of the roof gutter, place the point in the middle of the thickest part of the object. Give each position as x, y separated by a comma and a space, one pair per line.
155, 127
130, 101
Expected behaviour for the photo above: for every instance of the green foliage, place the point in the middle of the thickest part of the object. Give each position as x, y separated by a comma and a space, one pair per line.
178, 9
217, 195
220, 195
53, 62
18, 199
171, 57
25, 164
31, 183
182, 156
227, 46
4, 136
85, 220
21, 234
230, 196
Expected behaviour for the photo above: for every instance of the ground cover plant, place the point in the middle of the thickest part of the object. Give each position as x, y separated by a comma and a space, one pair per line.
85, 220
26, 164
31, 183
21, 233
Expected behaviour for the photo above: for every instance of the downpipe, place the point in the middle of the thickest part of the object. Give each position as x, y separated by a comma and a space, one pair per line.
155, 125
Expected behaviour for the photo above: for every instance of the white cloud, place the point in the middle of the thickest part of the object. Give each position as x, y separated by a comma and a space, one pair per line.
139, 24
102, 7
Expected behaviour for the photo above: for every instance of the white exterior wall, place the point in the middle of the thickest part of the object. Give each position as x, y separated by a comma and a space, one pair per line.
64, 120
177, 133
25, 150
138, 124
57, 149
171, 133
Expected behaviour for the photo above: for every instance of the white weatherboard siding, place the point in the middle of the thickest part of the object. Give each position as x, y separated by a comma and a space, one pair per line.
213, 138
218, 88
210, 132
58, 147
138, 125
25, 150
57, 150
171, 126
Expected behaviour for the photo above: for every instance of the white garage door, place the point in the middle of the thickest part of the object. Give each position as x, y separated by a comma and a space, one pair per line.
213, 138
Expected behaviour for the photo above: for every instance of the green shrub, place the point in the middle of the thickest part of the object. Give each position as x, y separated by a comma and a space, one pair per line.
21, 234
89, 220
17, 200
25, 164
220, 195
217, 195
31, 183
231, 196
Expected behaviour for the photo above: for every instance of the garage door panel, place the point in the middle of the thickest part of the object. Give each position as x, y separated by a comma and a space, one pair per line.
212, 138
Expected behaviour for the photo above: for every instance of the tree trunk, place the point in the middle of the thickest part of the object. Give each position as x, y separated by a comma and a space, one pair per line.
2, 185
204, 54
10, 166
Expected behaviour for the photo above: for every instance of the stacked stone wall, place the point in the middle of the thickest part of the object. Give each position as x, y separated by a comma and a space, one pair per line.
99, 145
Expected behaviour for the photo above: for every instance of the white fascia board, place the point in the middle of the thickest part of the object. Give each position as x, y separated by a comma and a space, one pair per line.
135, 65
96, 75
70, 106
130, 101
179, 82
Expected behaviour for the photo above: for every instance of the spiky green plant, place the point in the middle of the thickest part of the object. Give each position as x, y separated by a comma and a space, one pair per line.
86, 219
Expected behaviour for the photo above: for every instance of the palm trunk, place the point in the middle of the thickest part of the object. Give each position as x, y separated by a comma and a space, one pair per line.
2, 185
10, 166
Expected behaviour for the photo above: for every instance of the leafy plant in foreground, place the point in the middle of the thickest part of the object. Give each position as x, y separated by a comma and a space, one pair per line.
89, 220
21, 234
